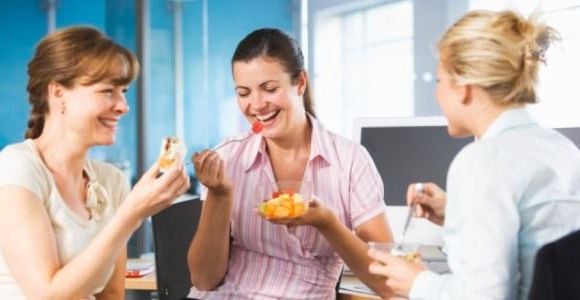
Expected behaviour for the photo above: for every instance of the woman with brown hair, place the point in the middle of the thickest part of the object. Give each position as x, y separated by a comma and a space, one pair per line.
67, 219
240, 254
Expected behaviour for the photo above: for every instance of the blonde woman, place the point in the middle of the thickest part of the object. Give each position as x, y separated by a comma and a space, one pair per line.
66, 219
509, 192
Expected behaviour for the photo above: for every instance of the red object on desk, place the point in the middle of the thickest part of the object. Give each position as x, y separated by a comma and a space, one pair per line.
134, 273
139, 268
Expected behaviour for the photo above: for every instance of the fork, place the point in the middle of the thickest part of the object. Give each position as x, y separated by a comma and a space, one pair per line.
218, 146
418, 190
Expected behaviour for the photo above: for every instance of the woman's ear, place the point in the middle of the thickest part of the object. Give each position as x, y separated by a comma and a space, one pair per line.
302, 82
465, 94
55, 97
55, 90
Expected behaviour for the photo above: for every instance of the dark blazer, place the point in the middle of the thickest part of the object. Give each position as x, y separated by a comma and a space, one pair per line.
557, 270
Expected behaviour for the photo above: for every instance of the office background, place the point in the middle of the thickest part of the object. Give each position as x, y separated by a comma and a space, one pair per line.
366, 58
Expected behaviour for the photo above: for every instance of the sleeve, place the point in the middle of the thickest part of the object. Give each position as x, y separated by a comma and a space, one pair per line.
481, 233
22, 169
366, 188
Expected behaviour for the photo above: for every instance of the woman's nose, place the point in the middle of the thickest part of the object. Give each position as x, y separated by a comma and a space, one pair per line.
258, 101
121, 105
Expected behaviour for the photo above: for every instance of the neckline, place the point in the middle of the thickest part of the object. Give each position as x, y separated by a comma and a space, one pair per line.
78, 218
507, 120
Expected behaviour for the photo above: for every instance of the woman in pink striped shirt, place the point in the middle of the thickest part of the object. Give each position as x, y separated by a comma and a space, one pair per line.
236, 254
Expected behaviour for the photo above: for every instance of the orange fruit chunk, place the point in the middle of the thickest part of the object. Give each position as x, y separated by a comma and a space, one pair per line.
285, 205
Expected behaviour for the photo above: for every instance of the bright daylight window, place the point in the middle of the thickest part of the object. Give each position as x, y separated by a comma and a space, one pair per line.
363, 60
363, 64
559, 105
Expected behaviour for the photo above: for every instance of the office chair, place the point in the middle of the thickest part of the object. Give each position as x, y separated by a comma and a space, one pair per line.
173, 230
557, 270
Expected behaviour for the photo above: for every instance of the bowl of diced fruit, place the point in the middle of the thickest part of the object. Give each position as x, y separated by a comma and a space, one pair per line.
408, 251
284, 199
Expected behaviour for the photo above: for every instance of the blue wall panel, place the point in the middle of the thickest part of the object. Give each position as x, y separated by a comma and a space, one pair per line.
74, 12
120, 25
22, 24
160, 109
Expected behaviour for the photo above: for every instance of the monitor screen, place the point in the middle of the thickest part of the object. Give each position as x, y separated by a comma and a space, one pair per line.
407, 150
573, 133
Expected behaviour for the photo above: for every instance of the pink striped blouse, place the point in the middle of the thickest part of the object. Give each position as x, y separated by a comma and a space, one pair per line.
269, 261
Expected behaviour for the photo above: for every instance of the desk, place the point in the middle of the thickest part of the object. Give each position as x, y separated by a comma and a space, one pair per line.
148, 283
145, 283
348, 291
353, 297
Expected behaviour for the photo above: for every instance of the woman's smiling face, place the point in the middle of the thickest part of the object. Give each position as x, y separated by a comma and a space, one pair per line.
266, 93
92, 112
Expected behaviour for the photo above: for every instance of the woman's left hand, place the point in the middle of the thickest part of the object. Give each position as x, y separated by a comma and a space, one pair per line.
317, 215
399, 273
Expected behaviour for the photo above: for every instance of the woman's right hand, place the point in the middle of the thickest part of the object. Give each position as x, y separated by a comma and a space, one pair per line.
210, 171
430, 200
154, 192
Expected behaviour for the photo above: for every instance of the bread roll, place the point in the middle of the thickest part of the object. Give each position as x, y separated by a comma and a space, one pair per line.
171, 148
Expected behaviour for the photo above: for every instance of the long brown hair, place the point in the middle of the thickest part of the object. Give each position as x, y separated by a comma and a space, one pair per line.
66, 55
274, 43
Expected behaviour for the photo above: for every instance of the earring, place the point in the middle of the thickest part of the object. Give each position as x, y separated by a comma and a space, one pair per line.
62, 109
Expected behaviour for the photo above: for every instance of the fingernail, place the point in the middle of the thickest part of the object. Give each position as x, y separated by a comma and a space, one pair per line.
419, 188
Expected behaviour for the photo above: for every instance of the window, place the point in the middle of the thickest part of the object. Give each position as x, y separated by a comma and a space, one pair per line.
559, 105
556, 87
363, 63
375, 58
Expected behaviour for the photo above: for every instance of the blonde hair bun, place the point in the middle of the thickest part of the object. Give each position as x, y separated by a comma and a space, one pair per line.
498, 51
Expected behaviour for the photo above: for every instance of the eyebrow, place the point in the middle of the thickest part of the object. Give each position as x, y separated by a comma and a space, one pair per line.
269, 81
261, 84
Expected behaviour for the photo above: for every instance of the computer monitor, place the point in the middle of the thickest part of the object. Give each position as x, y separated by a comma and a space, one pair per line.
573, 133
407, 150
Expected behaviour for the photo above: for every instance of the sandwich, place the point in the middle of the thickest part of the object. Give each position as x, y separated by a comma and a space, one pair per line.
171, 148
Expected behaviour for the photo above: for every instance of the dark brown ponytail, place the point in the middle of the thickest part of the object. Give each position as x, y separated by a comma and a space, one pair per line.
35, 123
